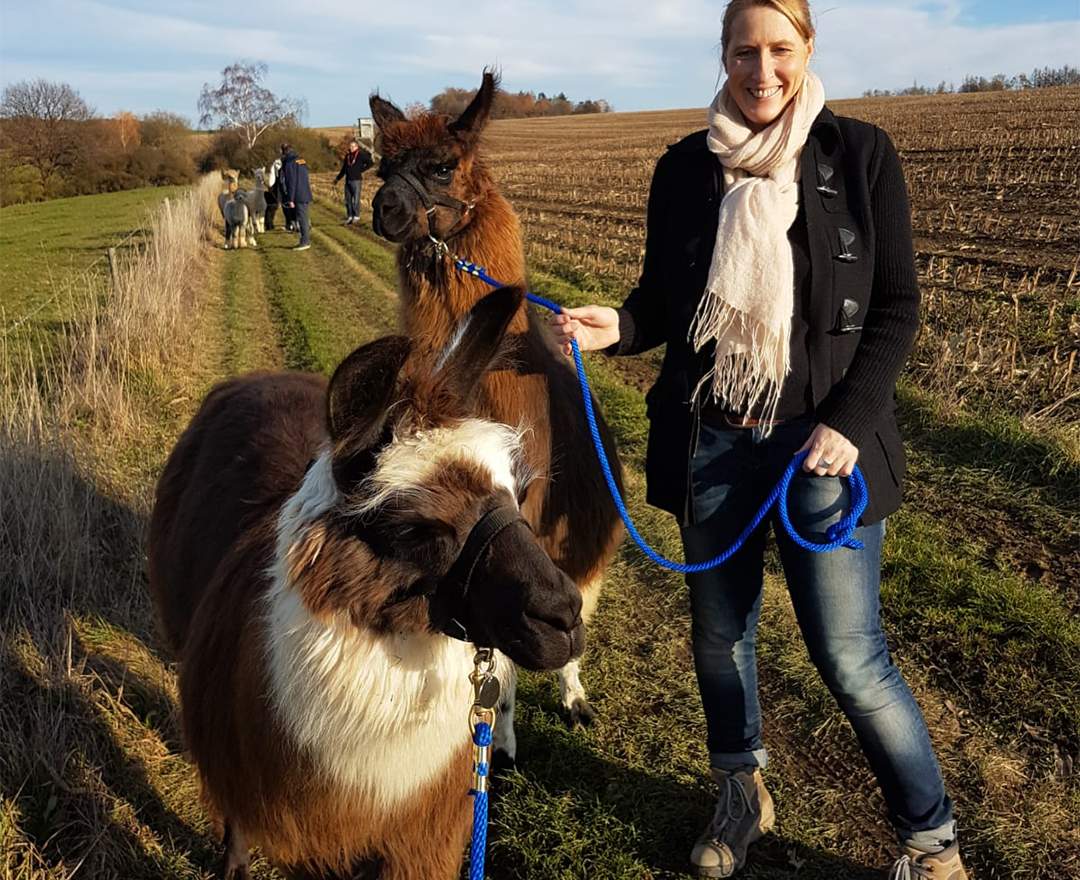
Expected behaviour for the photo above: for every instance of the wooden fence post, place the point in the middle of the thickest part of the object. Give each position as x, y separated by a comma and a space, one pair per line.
112, 267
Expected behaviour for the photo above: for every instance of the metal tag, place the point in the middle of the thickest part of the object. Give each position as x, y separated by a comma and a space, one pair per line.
487, 694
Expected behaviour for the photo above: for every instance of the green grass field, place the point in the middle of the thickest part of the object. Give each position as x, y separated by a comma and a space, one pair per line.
47, 246
980, 611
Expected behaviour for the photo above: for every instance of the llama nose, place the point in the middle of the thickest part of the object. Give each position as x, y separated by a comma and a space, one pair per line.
558, 604
391, 217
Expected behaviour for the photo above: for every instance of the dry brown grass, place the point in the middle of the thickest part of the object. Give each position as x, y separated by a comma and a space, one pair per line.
74, 431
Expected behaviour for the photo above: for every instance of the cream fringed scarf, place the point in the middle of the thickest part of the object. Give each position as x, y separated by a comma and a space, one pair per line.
748, 300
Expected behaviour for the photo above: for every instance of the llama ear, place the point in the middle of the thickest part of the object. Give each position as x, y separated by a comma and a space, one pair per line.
383, 112
479, 340
472, 121
360, 393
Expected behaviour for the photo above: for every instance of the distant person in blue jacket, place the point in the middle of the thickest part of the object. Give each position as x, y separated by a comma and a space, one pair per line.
296, 192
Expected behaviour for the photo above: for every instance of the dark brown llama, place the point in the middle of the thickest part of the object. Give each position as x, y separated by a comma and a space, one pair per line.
438, 197
307, 564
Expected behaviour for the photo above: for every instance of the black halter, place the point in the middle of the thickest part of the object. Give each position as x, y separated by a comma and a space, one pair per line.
460, 575
432, 200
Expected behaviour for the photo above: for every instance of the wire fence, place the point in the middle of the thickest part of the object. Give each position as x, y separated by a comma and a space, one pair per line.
108, 256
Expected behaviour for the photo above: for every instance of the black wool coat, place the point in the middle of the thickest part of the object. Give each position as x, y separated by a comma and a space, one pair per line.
863, 305
359, 165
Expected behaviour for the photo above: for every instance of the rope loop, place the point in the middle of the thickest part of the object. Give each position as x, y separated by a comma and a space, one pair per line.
840, 534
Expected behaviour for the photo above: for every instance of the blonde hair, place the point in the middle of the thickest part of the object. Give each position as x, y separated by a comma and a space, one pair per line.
795, 11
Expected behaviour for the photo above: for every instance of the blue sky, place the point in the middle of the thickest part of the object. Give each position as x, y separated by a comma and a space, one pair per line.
638, 54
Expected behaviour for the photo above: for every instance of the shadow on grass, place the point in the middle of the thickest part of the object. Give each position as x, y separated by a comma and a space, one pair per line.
567, 812
997, 444
79, 791
76, 760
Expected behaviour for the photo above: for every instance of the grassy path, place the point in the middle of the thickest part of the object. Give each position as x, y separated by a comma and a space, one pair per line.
319, 305
251, 333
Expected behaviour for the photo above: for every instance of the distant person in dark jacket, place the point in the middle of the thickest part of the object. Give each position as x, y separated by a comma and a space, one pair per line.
779, 272
296, 193
355, 163
288, 213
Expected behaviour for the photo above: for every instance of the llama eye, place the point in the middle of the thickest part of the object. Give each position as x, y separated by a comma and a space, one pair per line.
421, 536
443, 173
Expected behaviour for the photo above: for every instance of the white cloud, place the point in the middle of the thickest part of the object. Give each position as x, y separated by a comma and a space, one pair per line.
638, 54
890, 45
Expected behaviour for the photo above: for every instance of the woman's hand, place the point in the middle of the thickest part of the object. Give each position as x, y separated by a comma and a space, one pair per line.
592, 326
831, 453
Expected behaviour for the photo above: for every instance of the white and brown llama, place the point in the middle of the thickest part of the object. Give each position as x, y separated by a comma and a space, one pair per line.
436, 186
306, 562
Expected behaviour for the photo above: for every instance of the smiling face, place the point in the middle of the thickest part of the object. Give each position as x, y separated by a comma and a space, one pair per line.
766, 61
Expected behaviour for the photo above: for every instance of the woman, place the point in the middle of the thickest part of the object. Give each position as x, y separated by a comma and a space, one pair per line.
779, 272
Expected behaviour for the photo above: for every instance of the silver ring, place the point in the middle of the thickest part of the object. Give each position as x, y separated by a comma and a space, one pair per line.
824, 463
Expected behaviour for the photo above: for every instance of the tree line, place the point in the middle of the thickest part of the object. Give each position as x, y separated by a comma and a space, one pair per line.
510, 105
1039, 78
53, 144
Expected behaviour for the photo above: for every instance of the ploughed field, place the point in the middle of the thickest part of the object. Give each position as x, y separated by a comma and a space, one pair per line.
980, 590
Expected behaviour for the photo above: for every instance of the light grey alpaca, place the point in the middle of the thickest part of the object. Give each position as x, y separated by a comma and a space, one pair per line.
239, 228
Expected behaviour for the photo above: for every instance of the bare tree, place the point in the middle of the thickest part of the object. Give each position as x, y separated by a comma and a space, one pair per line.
127, 129
44, 100
43, 123
243, 103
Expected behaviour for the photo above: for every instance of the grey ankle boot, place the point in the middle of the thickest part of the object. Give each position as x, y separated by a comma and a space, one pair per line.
744, 813
917, 865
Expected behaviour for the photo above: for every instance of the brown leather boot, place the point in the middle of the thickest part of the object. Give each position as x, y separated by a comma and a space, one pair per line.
916, 865
744, 813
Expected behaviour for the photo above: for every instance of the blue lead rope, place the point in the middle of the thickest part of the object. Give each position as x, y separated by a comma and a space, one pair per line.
482, 739
840, 534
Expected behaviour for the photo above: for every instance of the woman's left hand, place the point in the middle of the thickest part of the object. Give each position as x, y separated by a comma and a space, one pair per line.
831, 453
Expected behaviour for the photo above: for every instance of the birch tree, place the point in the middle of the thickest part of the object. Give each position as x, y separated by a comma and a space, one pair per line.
241, 102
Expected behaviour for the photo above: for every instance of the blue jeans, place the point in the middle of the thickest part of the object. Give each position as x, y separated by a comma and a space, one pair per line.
352, 198
836, 600
304, 220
